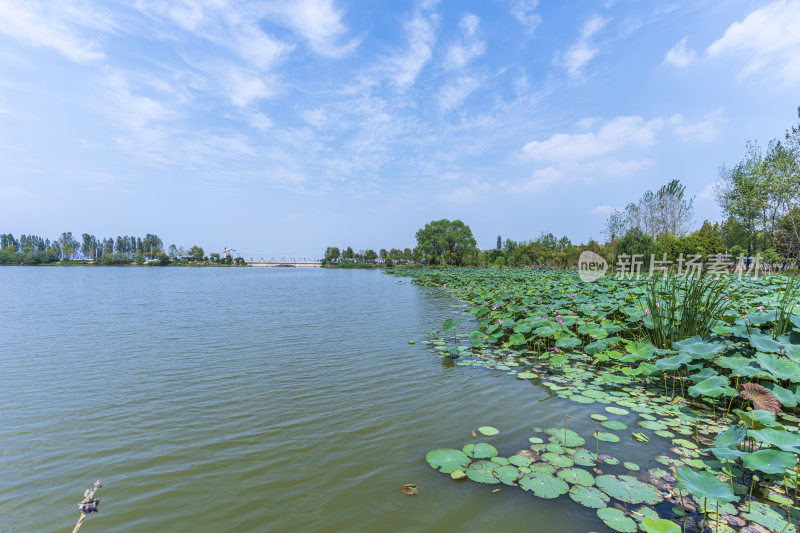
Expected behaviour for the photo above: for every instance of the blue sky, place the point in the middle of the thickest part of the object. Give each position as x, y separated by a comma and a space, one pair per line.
280, 127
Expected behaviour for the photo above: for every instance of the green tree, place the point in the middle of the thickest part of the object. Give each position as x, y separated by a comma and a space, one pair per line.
370, 256
636, 242
196, 253
331, 254
446, 242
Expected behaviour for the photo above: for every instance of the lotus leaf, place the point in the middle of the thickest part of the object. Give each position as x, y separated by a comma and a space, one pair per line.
628, 489
770, 461
660, 526
788, 442
450, 324
613, 425
786, 397
764, 343
674, 362
604, 436
616, 520
481, 450
766, 516
705, 486
446, 460
616, 411
520, 460
712, 387
573, 439
778, 368
458, 474
488, 430
544, 485
590, 497
576, 476
483, 472
507, 474
557, 460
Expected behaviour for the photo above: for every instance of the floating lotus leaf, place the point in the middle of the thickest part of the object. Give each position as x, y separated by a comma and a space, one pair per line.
660, 526
526, 375
696, 347
576, 476
499, 460
581, 399
610, 460
573, 439
631, 466
568, 342
408, 489
705, 486
653, 425
542, 468
616, 520
767, 516
520, 460
604, 436
614, 425
584, 457
555, 447
588, 496
557, 460
628, 489
535, 440
480, 450
617, 410
593, 393
598, 417
507, 474
684, 443
544, 485
446, 460
488, 430
770, 461
483, 472
458, 474
788, 442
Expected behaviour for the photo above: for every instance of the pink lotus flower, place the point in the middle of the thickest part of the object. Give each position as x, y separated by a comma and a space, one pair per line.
473, 434
499, 321
495, 307
560, 322
658, 304
543, 318
746, 312
558, 317
569, 295
555, 350
646, 312
760, 307
724, 297
525, 310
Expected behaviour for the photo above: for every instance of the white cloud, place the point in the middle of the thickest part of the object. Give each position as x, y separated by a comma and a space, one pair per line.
467, 194
525, 12
260, 121
613, 135
603, 210
680, 55
584, 50
767, 39
12, 191
707, 194
56, 25
421, 31
244, 87
319, 23
453, 95
539, 180
705, 130
316, 117
459, 54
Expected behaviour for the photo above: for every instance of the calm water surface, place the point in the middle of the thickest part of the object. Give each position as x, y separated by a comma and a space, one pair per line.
218, 399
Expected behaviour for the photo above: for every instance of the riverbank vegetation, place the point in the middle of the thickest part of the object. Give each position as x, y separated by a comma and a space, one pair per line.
124, 250
707, 368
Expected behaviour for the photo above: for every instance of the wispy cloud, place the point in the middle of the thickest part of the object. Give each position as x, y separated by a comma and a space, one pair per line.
57, 25
577, 56
680, 55
319, 23
611, 136
602, 210
421, 33
768, 39
705, 130
454, 94
525, 12
470, 46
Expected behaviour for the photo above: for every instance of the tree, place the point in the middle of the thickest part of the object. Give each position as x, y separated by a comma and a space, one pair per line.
196, 253
384, 254
331, 254
68, 245
637, 242
370, 256
445, 242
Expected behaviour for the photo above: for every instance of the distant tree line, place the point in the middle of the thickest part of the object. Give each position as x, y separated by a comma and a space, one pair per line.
34, 250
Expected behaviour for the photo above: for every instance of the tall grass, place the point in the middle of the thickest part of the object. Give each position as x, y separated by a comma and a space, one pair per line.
788, 302
680, 307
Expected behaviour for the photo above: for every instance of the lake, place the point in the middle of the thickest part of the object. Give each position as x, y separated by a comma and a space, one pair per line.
253, 399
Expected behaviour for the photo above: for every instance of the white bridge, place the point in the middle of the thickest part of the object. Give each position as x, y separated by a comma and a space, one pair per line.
282, 263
